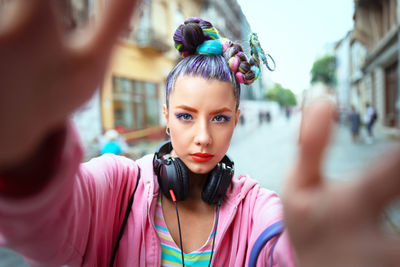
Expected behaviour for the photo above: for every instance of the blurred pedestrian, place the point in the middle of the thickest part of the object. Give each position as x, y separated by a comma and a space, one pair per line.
355, 122
260, 117
113, 142
268, 116
288, 112
370, 119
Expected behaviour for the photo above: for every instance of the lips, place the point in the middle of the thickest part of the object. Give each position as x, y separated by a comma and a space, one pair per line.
202, 157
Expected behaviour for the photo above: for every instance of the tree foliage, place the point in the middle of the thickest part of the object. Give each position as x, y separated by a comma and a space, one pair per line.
283, 96
324, 70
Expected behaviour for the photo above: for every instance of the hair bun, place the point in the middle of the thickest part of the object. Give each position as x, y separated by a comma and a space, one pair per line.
189, 36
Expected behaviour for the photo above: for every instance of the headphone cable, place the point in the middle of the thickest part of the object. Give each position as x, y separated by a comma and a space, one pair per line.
179, 225
180, 233
215, 233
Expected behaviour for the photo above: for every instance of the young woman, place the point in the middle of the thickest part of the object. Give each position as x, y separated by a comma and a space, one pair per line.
181, 204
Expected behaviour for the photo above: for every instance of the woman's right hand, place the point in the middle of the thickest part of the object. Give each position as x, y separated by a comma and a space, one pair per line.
44, 74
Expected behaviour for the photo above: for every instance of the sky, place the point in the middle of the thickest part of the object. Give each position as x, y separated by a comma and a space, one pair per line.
297, 32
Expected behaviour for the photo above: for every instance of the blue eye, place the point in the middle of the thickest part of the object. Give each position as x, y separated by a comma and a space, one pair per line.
184, 116
221, 118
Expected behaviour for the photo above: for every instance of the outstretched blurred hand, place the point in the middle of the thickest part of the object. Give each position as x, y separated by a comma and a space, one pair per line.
45, 75
338, 224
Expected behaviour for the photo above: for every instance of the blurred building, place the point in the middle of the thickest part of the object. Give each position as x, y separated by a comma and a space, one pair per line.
134, 87
133, 90
377, 31
350, 60
343, 62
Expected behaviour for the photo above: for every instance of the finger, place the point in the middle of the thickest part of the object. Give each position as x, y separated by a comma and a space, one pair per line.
380, 183
18, 15
314, 137
386, 252
115, 19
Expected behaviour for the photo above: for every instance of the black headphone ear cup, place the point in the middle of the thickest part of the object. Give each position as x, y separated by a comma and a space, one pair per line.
179, 180
217, 183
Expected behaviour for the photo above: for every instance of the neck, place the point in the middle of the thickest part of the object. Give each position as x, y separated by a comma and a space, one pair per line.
196, 184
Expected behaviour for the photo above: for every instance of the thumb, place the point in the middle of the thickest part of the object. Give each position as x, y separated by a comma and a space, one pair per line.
315, 132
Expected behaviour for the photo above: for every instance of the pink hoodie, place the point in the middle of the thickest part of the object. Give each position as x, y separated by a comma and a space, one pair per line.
76, 221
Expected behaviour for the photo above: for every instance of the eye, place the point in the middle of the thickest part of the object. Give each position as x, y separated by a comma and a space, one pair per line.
221, 118
184, 116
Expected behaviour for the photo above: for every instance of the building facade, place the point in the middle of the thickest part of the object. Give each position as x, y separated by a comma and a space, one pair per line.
134, 87
133, 90
377, 28
342, 55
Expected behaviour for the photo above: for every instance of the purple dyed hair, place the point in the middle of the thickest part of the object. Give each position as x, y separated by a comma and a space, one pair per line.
207, 67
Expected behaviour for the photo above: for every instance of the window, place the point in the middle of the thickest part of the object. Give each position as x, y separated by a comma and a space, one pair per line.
136, 104
391, 87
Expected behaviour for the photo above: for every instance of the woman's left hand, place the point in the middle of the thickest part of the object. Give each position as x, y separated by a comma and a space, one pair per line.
339, 224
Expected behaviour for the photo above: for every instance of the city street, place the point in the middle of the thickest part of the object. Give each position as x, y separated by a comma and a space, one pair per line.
266, 152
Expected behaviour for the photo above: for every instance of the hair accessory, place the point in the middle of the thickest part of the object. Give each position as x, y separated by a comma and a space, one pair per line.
258, 53
240, 77
234, 63
210, 47
211, 32
256, 71
184, 54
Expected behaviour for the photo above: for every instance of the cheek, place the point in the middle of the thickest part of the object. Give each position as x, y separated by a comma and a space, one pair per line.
178, 131
222, 136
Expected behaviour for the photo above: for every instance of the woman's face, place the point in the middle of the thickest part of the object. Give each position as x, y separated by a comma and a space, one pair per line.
202, 116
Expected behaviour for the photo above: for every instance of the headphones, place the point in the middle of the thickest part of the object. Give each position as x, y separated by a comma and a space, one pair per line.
172, 173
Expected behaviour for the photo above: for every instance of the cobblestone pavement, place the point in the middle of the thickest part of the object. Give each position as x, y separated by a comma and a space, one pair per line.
266, 152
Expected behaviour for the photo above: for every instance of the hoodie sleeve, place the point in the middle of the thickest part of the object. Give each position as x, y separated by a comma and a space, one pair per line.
268, 210
76, 215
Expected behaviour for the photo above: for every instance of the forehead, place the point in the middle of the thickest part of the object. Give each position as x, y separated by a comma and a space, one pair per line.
201, 92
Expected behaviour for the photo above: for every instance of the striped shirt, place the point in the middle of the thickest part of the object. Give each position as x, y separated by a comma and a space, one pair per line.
170, 253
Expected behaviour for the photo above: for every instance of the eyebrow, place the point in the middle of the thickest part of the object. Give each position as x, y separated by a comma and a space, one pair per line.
221, 110
187, 108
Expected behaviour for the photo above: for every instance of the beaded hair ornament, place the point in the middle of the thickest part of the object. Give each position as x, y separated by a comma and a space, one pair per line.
214, 44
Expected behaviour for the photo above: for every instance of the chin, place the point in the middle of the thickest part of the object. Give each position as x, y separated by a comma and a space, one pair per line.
202, 169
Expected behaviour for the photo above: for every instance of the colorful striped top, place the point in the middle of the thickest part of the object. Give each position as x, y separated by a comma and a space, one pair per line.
170, 253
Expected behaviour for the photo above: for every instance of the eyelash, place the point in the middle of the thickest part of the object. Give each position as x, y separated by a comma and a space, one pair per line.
181, 116
187, 117
225, 118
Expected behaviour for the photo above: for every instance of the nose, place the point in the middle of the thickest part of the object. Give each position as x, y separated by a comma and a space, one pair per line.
203, 135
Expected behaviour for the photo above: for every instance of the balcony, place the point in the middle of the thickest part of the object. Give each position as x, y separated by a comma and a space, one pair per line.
149, 38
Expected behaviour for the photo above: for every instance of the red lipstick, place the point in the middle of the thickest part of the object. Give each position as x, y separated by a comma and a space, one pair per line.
202, 157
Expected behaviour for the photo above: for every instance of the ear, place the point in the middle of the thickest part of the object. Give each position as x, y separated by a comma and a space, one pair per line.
237, 116
165, 112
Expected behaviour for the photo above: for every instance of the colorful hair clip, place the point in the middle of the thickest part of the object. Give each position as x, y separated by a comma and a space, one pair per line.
210, 47
240, 77
256, 71
211, 32
234, 63
258, 53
